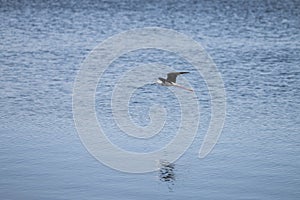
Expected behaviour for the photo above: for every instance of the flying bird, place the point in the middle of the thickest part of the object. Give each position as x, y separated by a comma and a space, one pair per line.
171, 80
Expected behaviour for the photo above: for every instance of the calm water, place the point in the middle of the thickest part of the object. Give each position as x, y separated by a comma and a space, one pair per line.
256, 47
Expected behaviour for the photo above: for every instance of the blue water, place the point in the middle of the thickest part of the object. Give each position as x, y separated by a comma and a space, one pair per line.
256, 47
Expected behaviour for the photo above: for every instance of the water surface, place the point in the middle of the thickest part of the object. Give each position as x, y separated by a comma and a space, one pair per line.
255, 46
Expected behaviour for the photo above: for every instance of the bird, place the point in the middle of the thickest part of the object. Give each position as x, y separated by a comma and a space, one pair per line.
171, 80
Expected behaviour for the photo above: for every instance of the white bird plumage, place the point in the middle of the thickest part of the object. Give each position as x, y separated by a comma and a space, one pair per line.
171, 80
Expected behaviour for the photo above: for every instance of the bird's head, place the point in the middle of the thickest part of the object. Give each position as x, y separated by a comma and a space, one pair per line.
159, 82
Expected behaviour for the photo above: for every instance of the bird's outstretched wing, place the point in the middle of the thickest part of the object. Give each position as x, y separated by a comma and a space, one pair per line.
172, 76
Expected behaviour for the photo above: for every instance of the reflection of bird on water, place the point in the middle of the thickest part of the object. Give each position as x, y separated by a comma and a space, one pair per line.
166, 172
171, 80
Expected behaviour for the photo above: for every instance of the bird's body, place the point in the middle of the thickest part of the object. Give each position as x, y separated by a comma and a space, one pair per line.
171, 80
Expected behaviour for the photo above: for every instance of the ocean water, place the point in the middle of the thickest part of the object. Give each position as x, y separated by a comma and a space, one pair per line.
255, 46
